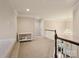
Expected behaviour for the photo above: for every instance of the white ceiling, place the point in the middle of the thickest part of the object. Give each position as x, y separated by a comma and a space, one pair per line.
46, 9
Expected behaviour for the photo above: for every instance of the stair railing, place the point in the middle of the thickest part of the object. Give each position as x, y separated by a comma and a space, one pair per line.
56, 37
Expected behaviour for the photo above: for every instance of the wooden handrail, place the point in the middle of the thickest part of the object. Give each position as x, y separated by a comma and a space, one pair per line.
73, 42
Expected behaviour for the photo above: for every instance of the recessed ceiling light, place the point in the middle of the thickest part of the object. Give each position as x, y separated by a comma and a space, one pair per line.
27, 9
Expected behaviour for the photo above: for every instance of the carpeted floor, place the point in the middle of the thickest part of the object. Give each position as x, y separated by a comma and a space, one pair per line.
39, 47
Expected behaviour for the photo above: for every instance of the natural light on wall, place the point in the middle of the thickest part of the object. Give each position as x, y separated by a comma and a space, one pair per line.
68, 32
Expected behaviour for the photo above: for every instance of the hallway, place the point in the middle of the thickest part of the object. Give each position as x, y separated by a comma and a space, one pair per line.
38, 20
39, 47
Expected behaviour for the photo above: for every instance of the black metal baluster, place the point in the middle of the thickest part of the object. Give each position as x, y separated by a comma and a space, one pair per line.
62, 47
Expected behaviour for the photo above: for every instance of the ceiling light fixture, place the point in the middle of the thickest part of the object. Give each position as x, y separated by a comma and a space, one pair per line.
27, 9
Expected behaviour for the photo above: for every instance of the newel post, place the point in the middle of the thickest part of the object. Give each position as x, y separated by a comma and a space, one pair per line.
55, 45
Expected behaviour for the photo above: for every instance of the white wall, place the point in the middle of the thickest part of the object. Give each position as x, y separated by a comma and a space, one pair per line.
42, 28
61, 27
29, 25
37, 26
7, 27
76, 25
25, 25
76, 21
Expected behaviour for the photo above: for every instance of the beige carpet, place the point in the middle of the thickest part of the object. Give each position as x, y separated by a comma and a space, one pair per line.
39, 47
